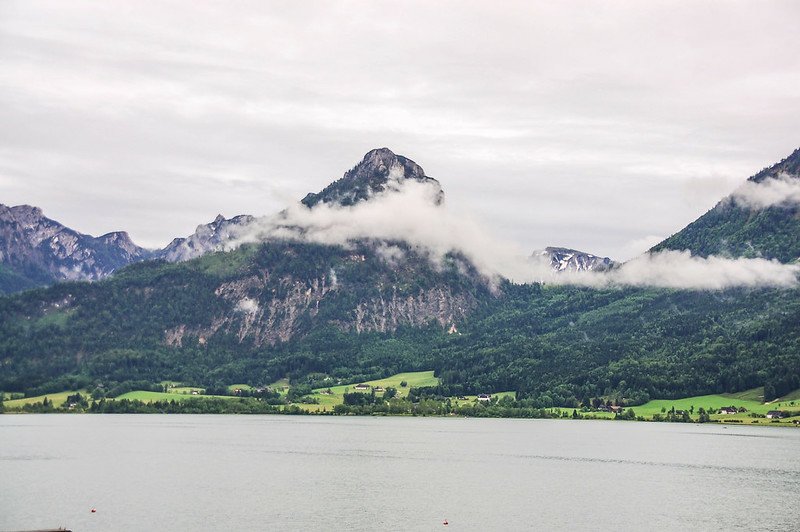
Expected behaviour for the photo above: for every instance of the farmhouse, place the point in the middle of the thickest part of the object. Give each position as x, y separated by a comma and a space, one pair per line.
728, 410
776, 414
484, 397
362, 387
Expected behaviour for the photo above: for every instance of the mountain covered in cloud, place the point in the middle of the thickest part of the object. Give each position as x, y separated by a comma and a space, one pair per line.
36, 251
759, 219
388, 197
371, 276
379, 171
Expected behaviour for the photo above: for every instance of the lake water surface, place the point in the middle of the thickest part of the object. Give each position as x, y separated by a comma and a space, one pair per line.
174, 472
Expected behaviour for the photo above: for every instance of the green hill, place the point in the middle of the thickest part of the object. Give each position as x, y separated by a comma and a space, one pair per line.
732, 228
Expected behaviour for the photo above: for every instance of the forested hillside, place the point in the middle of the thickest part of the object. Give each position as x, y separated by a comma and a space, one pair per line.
736, 228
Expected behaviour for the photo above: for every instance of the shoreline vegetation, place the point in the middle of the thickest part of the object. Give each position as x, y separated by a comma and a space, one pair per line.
405, 394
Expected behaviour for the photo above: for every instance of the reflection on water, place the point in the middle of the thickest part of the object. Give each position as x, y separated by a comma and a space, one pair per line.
310, 473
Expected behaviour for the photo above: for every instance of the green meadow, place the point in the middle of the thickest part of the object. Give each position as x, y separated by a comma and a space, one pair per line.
149, 397
330, 397
56, 398
749, 399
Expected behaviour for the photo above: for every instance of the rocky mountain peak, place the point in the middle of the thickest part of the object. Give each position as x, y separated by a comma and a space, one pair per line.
571, 260
38, 250
207, 238
22, 214
376, 173
123, 242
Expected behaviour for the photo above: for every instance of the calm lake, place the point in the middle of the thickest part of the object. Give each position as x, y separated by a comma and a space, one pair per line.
159, 472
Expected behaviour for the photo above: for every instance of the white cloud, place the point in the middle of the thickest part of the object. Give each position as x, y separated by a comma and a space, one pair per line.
409, 214
560, 126
679, 269
781, 190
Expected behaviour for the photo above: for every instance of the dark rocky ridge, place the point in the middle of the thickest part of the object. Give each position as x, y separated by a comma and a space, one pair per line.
373, 175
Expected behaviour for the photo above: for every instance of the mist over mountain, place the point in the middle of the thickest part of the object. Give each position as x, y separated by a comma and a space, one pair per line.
379, 171
759, 219
388, 197
373, 275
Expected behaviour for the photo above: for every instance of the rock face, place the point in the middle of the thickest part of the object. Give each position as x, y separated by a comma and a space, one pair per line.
570, 260
208, 238
354, 290
42, 251
380, 170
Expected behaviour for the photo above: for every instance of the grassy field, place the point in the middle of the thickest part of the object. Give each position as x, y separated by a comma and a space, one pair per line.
233, 387
149, 397
469, 399
336, 396
186, 390
413, 380
749, 399
56, 398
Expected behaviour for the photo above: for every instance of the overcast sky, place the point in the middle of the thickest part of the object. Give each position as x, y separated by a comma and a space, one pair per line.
600, 126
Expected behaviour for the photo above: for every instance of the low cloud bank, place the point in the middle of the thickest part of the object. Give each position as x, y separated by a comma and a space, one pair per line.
781, 190
410, 214
679, 269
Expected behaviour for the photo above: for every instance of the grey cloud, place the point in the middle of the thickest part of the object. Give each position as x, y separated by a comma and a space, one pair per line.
176, 111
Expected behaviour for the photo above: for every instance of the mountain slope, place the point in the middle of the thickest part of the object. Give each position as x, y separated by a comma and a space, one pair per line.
736, 228
35, 251
232, 313
227, 312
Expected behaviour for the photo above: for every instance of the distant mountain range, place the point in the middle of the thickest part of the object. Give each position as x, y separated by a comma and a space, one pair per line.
37, 251
311, 311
